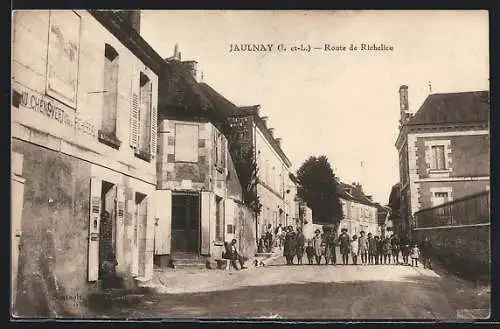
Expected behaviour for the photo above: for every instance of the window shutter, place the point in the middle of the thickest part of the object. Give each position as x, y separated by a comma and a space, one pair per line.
223, 151
120, 225
163, 232
134, 120
205, 222
94, 223
153, 121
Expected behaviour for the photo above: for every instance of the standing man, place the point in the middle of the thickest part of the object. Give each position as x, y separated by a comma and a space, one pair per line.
279, 233
363, 247
269, 238
330, 241
345, 243
372, 249
317, 242
300, 241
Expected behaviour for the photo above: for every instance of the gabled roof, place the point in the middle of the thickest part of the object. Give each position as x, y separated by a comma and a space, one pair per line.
463, 107
363, 199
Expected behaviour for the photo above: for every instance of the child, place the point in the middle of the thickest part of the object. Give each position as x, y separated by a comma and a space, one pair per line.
380, 250
414, 254
405, 251
354, 249
310, 252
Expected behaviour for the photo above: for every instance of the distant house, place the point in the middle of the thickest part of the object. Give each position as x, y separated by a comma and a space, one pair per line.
384, 223
360, 212
443, 150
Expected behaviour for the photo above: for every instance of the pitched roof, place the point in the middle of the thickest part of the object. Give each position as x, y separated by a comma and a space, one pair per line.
222, 106
180, 90
363, 199
464, 107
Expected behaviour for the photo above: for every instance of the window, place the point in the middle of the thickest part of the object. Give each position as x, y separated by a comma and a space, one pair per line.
186, 143
440, 195
63, 56
107, 134
438, 157
219, 219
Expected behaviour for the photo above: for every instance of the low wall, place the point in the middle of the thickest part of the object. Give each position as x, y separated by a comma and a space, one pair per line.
246, 231
464, 249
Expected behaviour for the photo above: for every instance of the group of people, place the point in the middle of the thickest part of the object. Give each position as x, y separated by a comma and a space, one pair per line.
366, 249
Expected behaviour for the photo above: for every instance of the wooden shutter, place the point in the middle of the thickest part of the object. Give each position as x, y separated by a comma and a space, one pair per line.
134, 110
94, 223
153, 121
223, 151
163, 232
120, 225
228, 217
205, 222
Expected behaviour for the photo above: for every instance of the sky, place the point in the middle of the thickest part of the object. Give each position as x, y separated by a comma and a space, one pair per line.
344, 105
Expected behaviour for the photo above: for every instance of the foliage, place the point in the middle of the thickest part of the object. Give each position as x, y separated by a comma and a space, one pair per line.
246, 168
395, 201
319, 188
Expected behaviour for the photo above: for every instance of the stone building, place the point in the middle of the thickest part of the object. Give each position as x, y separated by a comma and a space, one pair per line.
199, 193
360, 213
276, 189
84, 99
443, 150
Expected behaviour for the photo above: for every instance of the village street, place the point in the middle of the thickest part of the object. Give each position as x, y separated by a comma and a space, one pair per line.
310, 292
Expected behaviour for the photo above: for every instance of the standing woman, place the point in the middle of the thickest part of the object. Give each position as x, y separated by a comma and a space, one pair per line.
317, 242
300, 242
345, 243
292, 243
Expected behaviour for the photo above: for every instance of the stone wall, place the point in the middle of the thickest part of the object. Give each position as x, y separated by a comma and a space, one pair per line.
462, 249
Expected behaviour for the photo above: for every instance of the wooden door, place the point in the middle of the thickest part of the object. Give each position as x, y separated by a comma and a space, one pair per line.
185, 223
16, 217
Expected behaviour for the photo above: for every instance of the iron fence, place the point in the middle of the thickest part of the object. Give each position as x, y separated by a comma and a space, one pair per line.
473, 209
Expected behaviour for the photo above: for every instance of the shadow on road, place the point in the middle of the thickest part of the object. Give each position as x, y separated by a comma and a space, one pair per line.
417, 298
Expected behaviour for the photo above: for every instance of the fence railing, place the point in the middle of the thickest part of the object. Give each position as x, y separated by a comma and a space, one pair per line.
473, 209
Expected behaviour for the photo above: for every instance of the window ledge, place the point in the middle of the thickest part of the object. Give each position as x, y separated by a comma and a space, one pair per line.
143, 155
218, 243
109, 139
439, 171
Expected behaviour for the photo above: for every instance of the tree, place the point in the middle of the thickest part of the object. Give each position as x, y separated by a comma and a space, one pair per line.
320, 190
246, 167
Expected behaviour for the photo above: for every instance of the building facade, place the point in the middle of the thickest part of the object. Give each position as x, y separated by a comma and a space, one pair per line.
199, 194
360, 213
84, 98
443, 150
275, 186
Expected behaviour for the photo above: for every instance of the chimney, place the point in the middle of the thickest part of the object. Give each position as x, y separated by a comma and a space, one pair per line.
278, 140
271, 131
133, 17
192, 66
264, 119
403, 104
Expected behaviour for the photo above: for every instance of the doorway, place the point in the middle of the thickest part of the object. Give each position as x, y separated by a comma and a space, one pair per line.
185, 223
107, 232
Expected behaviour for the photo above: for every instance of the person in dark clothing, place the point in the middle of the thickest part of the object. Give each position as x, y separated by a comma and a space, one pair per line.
372, 249
289, 246
300, 242
395, 249
426, 253
261, 246
344, 242
269, 238
310, 253
233, 255
379, 251
317, 244
330, 252
405, 250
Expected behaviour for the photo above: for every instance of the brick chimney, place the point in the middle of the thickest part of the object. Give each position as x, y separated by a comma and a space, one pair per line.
133, 17
192, 66
403, 104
